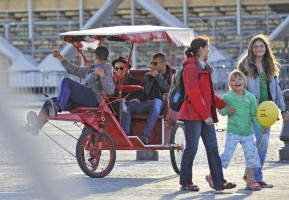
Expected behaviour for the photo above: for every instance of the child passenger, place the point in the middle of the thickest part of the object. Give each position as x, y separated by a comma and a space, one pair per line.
241, 110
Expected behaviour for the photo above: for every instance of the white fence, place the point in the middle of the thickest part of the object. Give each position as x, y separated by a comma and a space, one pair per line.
30, 83
33, 83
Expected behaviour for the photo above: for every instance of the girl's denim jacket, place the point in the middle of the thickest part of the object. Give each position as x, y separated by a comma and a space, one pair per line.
275, 93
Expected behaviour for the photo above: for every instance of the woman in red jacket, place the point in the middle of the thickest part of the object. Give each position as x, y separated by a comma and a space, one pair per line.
198, 112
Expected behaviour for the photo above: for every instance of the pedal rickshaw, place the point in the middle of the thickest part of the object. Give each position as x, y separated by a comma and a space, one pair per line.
102, 134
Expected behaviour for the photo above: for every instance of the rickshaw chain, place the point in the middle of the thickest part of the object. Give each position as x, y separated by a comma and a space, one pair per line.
62, 130
57, 143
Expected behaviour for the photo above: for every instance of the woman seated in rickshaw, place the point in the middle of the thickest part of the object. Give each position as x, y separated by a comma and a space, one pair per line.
97, 80
121, 74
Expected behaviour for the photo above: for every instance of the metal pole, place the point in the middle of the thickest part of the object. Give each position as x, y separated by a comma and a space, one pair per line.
267, 19
213, 21
80, 14
80, 27
30, 19
57, 17
239, 24
185, 12
6, 28
134, 52
30, 25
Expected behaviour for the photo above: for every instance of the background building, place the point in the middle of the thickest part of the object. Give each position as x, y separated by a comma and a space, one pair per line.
28, 29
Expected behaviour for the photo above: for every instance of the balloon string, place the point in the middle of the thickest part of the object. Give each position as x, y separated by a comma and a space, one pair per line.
261, 141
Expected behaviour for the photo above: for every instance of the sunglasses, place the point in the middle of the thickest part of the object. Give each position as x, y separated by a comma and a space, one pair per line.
155, 63
116, 68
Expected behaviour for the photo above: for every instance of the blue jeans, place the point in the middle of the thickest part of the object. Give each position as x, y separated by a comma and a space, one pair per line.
193, 131
152, 107
262, 141
71, 94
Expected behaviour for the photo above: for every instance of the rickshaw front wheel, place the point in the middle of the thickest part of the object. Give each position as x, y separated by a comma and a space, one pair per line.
95, 153
178, 143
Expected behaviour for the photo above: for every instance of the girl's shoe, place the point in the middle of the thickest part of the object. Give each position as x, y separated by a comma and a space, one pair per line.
263, 184
210, 181
253, 186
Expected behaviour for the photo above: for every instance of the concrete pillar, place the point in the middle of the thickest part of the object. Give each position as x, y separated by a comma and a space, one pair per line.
147, 155
284, 135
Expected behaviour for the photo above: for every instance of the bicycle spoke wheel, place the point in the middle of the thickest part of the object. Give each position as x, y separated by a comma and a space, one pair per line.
95, 153
178, 143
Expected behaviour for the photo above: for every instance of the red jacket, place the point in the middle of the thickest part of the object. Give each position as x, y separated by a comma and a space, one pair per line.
201, 101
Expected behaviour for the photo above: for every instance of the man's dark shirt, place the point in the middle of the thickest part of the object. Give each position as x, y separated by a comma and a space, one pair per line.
155, 87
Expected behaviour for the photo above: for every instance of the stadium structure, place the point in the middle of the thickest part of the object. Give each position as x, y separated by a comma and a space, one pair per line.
28, 29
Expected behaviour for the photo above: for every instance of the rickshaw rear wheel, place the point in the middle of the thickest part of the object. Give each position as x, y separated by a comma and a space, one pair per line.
95, 153
178, 143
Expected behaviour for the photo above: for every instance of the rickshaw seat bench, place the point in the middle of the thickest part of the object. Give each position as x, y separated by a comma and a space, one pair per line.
138, 73
84, 109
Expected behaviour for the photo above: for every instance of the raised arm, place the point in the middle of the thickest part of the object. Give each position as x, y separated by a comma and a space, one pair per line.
69, 67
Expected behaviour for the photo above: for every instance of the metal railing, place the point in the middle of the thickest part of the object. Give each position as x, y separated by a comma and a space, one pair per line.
31, 84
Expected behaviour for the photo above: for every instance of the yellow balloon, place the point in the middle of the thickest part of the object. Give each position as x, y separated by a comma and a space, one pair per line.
267, 113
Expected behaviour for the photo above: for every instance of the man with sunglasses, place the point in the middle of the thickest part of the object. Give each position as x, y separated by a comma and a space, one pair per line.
156, 82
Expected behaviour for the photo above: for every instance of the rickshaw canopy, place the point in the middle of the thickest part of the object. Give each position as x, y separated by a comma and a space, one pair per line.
136, 34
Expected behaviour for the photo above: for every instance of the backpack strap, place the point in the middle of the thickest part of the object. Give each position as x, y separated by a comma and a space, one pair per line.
199, 74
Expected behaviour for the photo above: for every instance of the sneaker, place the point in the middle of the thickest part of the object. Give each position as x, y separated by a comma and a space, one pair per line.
52, 107
263, 184
144, 139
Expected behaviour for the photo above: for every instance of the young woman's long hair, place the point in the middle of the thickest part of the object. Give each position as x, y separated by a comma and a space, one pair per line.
196, 44
270, 63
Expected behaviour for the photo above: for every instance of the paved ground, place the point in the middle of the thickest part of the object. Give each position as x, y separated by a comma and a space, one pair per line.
52, 173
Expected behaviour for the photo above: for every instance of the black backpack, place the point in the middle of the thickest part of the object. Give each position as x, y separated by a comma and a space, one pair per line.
177, 92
